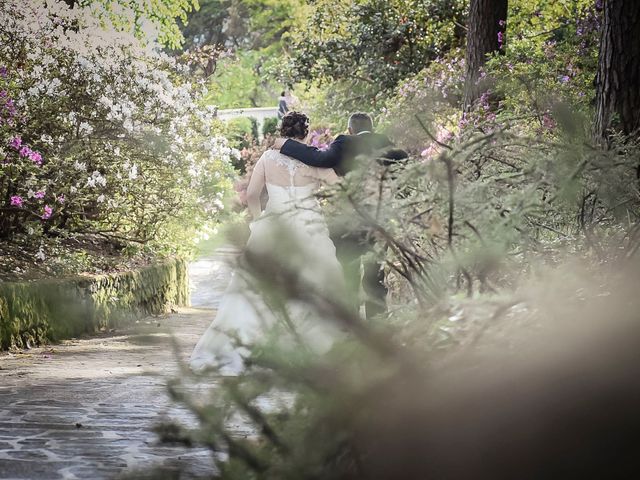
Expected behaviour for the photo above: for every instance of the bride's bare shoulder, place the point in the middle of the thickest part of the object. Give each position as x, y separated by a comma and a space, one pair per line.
270, 153
275, 156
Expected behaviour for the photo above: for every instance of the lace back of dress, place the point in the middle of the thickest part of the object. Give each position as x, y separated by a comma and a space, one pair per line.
291, 168
286, 172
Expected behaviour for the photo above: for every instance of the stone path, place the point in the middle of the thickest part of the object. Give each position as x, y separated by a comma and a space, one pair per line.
84, 409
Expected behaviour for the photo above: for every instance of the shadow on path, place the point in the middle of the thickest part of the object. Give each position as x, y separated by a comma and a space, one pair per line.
84, 409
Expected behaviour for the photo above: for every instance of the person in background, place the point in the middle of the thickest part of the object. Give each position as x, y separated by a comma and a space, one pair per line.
283, 106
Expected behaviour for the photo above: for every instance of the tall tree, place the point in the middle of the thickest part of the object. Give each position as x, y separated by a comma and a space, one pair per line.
486, 27
618, 77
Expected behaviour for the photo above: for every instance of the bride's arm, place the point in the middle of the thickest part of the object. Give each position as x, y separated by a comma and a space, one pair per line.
254, 190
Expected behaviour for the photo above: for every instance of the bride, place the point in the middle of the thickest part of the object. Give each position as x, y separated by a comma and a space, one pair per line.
292, 231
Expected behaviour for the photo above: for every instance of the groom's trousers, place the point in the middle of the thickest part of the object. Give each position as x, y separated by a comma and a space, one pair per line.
354, 249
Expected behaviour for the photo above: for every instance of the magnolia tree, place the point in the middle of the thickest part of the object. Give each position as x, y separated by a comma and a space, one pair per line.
100, 134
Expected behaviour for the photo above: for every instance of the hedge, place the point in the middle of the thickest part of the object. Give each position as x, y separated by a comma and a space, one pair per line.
32, 313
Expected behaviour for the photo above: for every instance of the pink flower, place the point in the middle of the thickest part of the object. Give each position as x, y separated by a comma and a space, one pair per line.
36, 158
60, 199
241, 188
16, 142
548, 122
39, 194
500, 39
16, 201
484, 100
47, 212
432, 150
25, 151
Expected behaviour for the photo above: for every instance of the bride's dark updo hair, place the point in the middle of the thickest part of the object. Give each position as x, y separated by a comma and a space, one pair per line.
295, 125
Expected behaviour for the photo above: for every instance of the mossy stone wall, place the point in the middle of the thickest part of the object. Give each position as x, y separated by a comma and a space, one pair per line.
32, 313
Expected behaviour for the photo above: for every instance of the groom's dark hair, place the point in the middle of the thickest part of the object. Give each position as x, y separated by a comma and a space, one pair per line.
360, 122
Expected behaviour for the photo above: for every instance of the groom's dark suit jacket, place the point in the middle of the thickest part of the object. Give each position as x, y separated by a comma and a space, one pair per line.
343, 151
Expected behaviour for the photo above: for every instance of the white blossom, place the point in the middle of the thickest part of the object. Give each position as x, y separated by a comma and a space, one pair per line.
119, 80
95, 179
85, 128
133, 173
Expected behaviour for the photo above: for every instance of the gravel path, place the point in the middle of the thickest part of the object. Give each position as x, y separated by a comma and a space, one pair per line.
84, 409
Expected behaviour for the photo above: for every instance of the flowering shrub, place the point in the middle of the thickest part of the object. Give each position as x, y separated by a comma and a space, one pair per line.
249, 156
549, 60
434, 95
361, 50
100, 134
320, 138
519, 167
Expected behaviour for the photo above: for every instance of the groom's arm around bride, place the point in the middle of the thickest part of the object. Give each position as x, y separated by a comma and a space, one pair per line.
345, 148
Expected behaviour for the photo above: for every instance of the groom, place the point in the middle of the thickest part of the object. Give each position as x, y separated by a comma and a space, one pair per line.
353, 244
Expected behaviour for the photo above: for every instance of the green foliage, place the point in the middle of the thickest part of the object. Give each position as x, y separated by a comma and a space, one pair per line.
370, 46
239, 45
147, 20
241, 24
493, 201
206, 25
550, 59
244, 81
270, 126
241, 132
551, 55
325, 103
272, 20
435, 95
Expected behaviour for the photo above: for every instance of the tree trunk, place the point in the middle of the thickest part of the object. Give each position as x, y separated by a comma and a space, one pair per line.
618, 77
485, 34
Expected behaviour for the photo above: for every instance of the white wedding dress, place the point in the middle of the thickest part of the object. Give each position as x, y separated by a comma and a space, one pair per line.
292, 232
